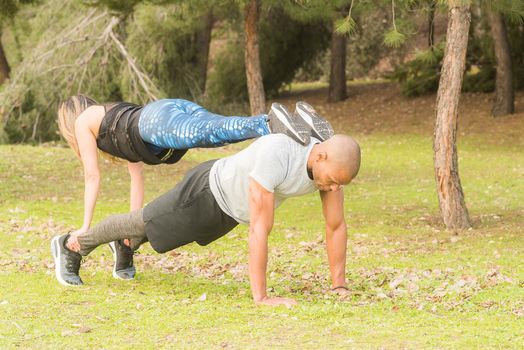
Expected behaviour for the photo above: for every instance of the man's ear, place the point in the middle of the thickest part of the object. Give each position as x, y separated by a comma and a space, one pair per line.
321, 156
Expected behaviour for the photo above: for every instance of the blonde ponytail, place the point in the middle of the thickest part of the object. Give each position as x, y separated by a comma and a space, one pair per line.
68, 112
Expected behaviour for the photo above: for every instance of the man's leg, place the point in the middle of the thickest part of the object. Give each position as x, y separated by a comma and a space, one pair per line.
114, 228
129, 225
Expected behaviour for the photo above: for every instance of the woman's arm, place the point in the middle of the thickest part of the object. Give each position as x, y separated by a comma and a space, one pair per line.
89, 155
137, 185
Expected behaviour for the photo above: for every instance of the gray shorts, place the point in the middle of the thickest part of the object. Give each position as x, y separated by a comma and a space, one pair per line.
187, 213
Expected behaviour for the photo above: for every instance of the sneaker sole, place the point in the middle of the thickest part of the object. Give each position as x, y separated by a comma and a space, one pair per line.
115, 275
281, 115
55, 248
318, 124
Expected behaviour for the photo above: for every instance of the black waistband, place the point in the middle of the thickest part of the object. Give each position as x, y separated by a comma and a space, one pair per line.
119, 136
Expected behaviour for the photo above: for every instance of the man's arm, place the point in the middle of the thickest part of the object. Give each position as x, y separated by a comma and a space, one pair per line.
262, 210
336, 235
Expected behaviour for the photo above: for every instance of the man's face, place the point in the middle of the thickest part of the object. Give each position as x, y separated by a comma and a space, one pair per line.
327, 178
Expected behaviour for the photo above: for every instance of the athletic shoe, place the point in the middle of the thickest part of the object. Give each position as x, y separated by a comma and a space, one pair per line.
320, 127
283, 122
67, 262
123, 256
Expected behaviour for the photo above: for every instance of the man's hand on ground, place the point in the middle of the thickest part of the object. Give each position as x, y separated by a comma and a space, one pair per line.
341, 291
276, 301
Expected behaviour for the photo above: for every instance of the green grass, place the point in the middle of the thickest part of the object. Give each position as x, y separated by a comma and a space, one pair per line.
415, 285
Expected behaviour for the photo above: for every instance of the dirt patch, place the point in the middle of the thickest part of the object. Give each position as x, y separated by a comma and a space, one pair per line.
380, 107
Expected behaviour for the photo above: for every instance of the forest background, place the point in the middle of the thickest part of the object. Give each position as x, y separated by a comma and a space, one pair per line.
424, 272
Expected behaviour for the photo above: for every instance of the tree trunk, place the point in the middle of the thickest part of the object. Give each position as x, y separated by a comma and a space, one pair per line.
255, 85
431, 23
203, 41
450, 195
4, 66
504, 97
337, 74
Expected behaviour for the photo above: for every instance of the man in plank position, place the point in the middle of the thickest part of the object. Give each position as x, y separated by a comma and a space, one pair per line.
217, 195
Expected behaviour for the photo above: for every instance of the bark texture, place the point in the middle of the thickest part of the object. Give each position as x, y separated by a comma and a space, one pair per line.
203, 40
337, 73
4, 66
431, 23
504, 96
450, 195
255, 85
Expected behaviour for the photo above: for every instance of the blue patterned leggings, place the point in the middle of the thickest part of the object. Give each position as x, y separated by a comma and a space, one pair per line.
182, 124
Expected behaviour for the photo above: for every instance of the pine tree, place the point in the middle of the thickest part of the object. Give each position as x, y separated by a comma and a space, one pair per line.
197, 42
504, 102
255, 85
337, 14
8, 11
498, 12
449, 189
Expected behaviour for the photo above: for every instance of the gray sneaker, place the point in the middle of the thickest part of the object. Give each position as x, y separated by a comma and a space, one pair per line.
67, 262
320, 127
123, 255
283, 122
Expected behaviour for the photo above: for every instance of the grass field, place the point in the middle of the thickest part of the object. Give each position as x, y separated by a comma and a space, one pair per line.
414, 284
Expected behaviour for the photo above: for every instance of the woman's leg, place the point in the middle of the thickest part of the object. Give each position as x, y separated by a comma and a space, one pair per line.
182, 124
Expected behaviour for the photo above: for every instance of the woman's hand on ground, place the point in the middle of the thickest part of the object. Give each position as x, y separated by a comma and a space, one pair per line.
276, 301
72, 241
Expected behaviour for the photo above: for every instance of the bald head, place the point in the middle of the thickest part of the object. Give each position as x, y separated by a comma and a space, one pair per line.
343, 153
336, 160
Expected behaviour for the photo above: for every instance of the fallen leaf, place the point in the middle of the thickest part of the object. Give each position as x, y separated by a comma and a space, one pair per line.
413, 287
84, 329
396, 282
381, 296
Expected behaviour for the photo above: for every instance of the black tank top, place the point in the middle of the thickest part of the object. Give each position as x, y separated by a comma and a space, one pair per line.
119, 136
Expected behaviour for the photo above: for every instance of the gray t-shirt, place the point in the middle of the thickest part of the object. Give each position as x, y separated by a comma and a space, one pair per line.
275, 161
